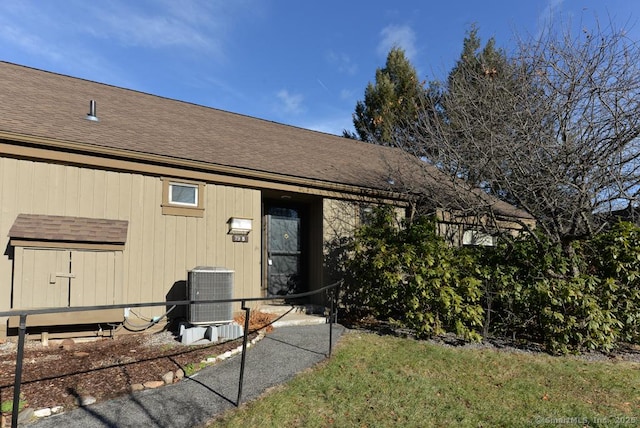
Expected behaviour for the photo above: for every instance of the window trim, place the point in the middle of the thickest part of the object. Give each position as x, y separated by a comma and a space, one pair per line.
178, 208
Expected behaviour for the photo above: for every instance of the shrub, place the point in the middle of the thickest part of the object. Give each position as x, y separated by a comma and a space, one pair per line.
537, 295
571, 296
614, 256
408, 275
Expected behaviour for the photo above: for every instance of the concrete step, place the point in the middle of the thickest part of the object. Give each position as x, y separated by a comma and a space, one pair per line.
295, 315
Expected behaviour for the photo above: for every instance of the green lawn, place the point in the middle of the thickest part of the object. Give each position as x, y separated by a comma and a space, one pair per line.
378, 381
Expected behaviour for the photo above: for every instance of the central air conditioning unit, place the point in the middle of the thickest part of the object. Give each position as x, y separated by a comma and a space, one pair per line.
210, 283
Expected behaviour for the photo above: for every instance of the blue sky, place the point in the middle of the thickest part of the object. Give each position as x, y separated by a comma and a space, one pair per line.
297, 62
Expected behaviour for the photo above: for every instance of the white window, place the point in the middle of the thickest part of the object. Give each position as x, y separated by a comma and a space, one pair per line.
183, 198
475, 237
183, 194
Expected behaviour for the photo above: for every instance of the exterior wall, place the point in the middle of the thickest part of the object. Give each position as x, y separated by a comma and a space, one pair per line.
315, 246
452, 226
341, 218
160, 249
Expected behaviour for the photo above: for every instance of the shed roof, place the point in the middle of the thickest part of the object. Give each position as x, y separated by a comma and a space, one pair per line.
69, 229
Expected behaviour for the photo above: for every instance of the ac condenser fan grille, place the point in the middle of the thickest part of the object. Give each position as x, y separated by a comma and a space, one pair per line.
210, 283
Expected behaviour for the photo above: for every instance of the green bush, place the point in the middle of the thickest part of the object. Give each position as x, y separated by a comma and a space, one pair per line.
570, 296
406, 274
585, 298
615, 257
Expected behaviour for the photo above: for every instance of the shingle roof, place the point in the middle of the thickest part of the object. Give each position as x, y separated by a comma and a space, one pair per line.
69, 229
40, 104
44, 104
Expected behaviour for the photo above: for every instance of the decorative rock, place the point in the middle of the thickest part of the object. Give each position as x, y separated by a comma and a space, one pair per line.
151, 384
210, 360
57, 409
137, 387
42, 413
80, 354
68, 344
25, 415
179, 374
87, 400
167, 378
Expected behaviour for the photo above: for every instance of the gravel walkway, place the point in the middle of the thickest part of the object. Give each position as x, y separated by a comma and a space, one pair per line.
192, 402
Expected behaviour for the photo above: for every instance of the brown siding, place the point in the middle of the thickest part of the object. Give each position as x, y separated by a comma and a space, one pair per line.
316, 259
159, 248
339, 223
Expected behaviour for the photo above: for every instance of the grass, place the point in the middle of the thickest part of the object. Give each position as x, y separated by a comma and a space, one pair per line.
7, 406
376, 381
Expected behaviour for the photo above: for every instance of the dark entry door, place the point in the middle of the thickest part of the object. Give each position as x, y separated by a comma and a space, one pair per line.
284, 251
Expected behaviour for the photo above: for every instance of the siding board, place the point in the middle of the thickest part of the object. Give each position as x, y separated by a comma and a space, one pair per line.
71, 199
159, 251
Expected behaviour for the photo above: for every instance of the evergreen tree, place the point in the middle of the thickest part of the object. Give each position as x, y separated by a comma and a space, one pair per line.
478, 105
388, 103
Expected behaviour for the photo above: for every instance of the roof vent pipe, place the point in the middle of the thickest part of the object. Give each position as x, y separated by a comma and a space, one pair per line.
92, 111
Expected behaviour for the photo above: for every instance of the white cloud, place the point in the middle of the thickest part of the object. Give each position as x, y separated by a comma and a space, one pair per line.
548, 14
347, 94
290, 103
60, 34
33, 44
192, 25
343, 63
401, 36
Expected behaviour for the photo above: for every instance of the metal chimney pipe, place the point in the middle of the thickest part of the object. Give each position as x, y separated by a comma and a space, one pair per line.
92, 111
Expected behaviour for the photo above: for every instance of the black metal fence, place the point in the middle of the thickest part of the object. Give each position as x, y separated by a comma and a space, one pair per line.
330, 290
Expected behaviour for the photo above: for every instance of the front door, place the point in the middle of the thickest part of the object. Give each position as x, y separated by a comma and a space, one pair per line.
284, 251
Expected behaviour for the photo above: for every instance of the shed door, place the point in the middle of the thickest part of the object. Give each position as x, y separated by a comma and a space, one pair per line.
45, 279
93, 281
63, 278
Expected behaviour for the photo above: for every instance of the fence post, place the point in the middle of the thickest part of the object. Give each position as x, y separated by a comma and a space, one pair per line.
332, 315
18, 379
247, 313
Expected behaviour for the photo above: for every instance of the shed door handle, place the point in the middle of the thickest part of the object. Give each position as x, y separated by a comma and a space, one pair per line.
53, 276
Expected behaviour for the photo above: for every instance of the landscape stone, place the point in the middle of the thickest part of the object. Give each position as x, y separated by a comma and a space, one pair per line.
179, 374
87, 400
42, 413
68, 344
151, 384
167, 378
25, 415
137, 387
